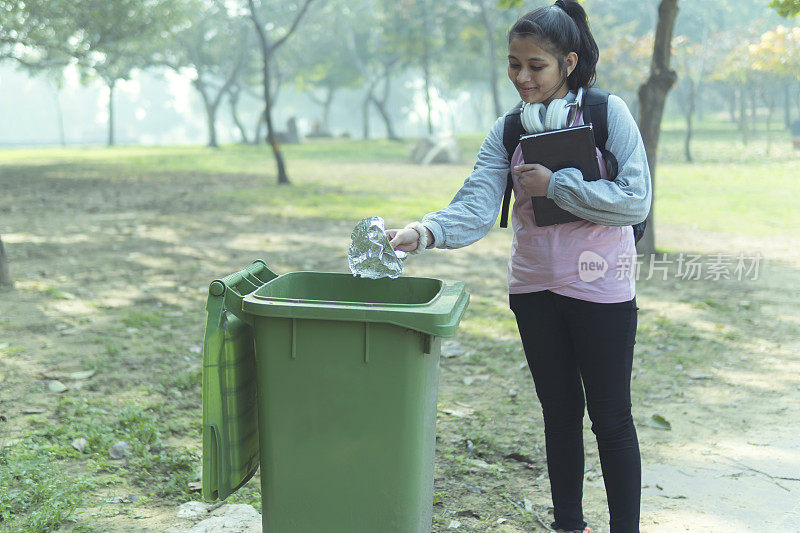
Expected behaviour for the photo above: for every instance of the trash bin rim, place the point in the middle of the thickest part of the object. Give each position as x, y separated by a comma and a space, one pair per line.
438, 316
278, 300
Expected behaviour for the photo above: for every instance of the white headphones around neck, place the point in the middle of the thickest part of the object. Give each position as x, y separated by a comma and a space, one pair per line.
537, 118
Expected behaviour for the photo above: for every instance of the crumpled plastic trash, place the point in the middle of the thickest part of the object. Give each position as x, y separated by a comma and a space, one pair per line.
371, 255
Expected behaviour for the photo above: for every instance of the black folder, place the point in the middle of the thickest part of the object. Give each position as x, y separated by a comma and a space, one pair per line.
558, 149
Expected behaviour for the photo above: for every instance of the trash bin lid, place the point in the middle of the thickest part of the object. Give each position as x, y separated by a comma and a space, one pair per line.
230, 403
427, 305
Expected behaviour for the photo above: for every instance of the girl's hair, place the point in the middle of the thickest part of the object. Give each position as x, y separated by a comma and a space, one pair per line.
562, 28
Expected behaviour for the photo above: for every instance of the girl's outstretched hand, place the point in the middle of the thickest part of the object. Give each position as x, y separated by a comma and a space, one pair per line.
405, 239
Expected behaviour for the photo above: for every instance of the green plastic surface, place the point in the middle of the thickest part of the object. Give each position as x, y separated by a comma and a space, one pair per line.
230, 418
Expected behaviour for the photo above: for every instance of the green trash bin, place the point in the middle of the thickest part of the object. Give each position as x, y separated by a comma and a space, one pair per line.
346, 373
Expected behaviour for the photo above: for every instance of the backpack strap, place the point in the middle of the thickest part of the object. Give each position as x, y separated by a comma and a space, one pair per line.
595, 111
512, 131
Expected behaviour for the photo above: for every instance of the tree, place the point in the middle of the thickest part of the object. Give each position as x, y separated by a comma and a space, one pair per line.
691, 60
622, 65
479, 31
776, 59
377, 52
215, 45
37, 33
322, 80
268, 48
652, 97
33, 34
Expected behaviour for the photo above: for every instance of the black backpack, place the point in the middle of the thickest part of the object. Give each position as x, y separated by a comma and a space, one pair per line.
595, 111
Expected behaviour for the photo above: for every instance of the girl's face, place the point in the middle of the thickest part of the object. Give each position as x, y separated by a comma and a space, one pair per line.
535, 72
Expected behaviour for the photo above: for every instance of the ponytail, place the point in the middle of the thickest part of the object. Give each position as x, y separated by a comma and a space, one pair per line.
563, 28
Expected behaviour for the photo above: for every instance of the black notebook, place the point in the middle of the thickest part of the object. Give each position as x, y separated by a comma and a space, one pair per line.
558, 149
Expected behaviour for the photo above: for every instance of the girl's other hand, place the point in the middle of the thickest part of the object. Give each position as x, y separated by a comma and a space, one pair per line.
405, 239
533, 178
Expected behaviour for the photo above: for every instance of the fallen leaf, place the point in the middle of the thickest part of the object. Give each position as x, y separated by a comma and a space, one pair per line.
454, 524
56, 386
86, 374
659, 422
501, 520
80, 444
468, 380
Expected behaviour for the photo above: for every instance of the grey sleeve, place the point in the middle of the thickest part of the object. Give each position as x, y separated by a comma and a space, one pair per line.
474, 209
623, 201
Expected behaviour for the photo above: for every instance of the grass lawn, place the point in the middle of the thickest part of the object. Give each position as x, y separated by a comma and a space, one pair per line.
112, 251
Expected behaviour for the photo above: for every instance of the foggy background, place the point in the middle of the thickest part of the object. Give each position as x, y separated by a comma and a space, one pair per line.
159, 105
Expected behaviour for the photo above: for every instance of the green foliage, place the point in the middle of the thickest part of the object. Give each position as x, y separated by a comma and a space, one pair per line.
42, 493
36, 495
786, 8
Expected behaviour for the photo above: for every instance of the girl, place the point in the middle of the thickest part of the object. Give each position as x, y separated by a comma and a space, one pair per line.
577, 331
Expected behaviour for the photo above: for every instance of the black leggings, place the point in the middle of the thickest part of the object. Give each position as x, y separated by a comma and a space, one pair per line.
566, 341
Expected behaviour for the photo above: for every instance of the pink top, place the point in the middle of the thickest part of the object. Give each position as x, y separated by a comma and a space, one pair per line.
569, 258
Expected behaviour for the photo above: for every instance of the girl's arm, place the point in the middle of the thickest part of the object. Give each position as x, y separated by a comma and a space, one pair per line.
473, 211
621, 202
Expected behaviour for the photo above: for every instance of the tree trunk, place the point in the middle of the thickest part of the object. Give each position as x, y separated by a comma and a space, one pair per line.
731, 97
365, 109
769, 100
427, 73
326, 110
211, 112
259, 128
652, 96
426, 65
492, 65
283, 178
690, 106
743, 125
787, 110
381, 105
699, 108
62, 136
797, 99
233, 100
5, 275
111, 85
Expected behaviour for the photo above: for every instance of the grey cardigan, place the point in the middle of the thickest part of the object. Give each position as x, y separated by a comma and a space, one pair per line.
622, 202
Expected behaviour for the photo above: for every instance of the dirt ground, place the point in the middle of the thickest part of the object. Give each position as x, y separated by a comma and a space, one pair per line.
719, 360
